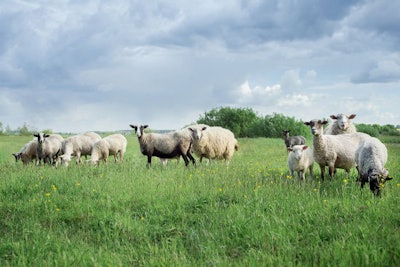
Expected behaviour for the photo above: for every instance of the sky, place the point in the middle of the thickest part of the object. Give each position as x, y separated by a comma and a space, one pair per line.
76, 66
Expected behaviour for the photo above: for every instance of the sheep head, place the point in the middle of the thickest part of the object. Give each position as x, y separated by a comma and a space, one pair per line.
41, 137
343, 120
376, 180
197, 132
317, 126
139, 129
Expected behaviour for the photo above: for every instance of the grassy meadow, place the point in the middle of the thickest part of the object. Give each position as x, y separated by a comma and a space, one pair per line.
250, 213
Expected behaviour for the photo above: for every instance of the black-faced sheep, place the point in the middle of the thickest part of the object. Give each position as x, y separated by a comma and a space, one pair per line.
165, 146
114, 144
213, 142
342, 124
49, 146
334, 151
291, 141
78, 145
371, 157
300, 159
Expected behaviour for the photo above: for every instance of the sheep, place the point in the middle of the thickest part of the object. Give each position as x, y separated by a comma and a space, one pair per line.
164, 146
291, 141
213, 142
371, 156
114, 144
300, 159
27, 152
78, 145
342, 124
334, 151
49, 146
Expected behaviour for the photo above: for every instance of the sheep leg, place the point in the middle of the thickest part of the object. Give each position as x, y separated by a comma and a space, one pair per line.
148, 165
322, 167
332, 171
185, 159
191, 157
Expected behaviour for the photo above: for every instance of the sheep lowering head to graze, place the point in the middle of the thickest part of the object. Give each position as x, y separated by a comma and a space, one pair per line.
342, 124
334, 151
114, 144
299, 160
166, 146
49, 146
371, 157
213, 142
291, 141
27, 152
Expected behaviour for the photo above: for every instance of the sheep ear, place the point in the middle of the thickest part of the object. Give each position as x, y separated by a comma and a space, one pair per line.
352, 116
333, 117
46, 135
36, 135
145, 126
305, 147
289, 149
307, 123
324, 122
389, 178
133, 126
203, 128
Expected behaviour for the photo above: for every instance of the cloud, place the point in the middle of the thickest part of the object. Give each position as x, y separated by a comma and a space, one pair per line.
381, 72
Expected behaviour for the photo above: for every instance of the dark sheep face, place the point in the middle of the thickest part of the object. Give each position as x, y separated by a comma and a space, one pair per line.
376, 180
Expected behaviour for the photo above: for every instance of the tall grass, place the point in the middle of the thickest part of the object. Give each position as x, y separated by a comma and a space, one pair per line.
249, 213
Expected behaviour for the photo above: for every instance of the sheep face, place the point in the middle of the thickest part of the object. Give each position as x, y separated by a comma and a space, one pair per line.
139, 129
285, 134
41, 137
197, 133
298, 151
376, 180
343, 120
317, 126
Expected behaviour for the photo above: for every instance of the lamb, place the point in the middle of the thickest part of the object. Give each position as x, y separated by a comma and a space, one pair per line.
27, 152
165, 146
213, 142
342, 124
114, 144
48, 147
334, 151
291, 141
78, 145
300, 159
371, 157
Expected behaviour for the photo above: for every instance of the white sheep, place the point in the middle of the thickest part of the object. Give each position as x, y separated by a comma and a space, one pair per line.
78, 145
114, 144
27, 152
213, 142
165, 145
342, 124
299, 160
371, 157
334, 151
49, 146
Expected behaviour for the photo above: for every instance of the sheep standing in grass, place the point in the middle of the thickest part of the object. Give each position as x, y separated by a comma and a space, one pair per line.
78, 145
114, 144
371, 157
213, 142
342, 124
299, 160
164, 146
334, 151
291, 141
27, 153
48, 147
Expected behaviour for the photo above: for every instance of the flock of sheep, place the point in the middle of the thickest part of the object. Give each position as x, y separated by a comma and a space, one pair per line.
202, 140
340, 146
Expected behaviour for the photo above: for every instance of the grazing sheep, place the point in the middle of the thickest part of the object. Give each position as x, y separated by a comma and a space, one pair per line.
27, 152
342, 124
300, 159
78, 145
371, 157
114, 144
291, 141
334, 151
164, 146
49, 146
213, 142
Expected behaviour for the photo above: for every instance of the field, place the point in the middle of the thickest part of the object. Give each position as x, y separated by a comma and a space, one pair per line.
250, 213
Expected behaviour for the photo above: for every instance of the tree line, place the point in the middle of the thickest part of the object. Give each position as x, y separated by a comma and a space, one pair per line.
245, 122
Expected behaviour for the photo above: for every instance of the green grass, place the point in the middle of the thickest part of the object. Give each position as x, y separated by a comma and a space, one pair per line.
250, 213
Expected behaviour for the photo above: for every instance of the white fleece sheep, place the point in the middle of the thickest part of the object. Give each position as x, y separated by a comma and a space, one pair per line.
334, 151
164, 146
299, 160
78, 145
213, 142
342, 124
27, 152
48, 147
114, 144
371, 157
